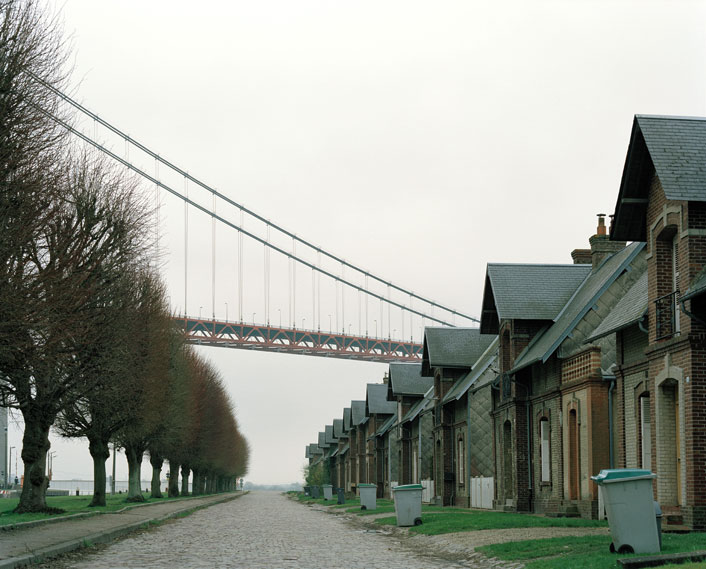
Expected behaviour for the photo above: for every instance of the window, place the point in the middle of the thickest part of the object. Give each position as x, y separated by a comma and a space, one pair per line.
645, 432
461, 460
544, 449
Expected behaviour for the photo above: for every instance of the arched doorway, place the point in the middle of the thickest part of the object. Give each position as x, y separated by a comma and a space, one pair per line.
574, 462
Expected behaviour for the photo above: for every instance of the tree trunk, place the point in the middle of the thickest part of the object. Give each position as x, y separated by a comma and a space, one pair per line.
185, 479
35, 446
99, 453
196, 483
134, 466
156, 461
173, 479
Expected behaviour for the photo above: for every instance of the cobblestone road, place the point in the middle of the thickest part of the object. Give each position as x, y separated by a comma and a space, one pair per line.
262, 529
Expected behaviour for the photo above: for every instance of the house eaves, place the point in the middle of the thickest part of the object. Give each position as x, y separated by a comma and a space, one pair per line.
484, 362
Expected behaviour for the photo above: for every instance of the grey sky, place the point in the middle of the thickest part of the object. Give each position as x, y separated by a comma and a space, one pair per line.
420, 140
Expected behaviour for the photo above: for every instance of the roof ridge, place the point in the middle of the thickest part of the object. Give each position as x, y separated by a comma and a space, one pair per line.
579, 265
671, 117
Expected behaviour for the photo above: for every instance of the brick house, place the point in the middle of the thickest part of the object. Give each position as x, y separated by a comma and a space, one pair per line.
551, 409
355, 457
474, 447
378, 411
330, 457
384, 443
448, 357
662, 376
406, 388
342, 437
419, 422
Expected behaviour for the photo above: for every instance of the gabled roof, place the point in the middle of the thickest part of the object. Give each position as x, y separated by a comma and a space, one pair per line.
330, 438
386, 426
322, 441
629, 310
347, 419
338, 431
357, 413
406, 379
674, 148
527, 292
426, 403
452, 347
584, 299
376, 402
487, 359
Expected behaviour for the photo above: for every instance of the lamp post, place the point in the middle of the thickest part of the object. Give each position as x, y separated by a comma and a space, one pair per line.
9, 466
329, 324
226, 311
376, 327
200, 309
280, 317
303, 318
253, 317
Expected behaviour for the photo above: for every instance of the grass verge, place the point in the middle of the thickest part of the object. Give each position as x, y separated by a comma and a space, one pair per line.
437, 521
71, 505
587, 552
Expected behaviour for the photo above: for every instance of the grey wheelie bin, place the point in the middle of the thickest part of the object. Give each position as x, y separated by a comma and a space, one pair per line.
408, 504
328, 491
315, 492
368, 496
627, 495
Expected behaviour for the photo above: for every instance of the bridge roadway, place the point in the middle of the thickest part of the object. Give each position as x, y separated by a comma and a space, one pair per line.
265, 530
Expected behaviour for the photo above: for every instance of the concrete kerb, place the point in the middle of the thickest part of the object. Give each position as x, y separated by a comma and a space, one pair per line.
104, 536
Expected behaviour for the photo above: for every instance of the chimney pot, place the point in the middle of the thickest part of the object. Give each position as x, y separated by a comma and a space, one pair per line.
601, 224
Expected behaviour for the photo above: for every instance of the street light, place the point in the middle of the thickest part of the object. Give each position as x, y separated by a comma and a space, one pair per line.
9, 466
200, 309
226, 311
253, 317
330, 329
303, 318
280, 316
376, 327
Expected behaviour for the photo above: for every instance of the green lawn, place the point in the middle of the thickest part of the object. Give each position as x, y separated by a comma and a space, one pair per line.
582, 552
437, 520
71, 505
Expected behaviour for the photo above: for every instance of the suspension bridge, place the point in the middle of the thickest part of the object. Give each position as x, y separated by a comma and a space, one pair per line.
347, 295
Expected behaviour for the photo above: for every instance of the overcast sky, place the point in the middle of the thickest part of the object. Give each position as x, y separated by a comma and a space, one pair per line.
420, 140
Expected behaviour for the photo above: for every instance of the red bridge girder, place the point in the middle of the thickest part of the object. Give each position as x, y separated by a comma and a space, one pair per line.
293, 341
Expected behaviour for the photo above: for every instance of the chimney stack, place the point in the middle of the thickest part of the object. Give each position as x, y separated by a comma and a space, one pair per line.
601, 245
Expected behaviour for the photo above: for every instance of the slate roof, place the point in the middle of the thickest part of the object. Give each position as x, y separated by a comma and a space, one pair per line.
452, 347
698, 286
330, 438
487, 359
544, 344
676, 148
357, 413
338, 431
347, 419
314, 449
629, 309
322, 441
345, 449
376, 400
527, 292
426, 403
406, 379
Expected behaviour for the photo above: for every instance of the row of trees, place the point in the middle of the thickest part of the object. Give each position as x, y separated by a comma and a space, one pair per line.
87, 344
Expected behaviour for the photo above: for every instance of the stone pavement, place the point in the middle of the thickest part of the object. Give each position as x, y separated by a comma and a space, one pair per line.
25, 546
265, 530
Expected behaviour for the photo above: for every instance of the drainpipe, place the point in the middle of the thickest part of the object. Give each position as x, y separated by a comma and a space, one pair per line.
640, 324
419, 451
611, 379
468, 447
691, 315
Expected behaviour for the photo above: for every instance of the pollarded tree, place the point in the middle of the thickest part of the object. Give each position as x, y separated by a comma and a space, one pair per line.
150, 361
97, 229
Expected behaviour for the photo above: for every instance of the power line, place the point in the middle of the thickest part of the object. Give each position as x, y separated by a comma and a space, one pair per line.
146, 150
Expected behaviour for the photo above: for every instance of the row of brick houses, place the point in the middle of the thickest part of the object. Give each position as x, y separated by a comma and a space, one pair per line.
596, 364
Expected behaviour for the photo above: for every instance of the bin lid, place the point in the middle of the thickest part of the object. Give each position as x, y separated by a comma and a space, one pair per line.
408, 487
367, 485
326, 486
609, 476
